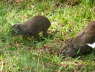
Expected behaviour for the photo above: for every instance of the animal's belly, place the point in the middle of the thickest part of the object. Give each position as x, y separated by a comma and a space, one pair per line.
92, 45
34, 31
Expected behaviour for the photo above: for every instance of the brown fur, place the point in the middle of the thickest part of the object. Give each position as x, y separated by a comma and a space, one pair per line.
78, 45
88, 34
74, 48
32, 27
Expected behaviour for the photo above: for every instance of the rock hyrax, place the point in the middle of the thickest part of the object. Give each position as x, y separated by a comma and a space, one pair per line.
78, 45
32, 27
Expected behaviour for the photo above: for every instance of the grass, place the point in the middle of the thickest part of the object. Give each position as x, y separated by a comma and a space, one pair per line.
19, 55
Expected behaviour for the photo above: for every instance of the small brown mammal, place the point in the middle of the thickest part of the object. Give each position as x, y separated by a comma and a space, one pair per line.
78, 45
74, 48
88, 34
32, 27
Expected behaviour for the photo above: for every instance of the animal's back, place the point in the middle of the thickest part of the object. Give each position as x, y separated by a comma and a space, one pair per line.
37, 24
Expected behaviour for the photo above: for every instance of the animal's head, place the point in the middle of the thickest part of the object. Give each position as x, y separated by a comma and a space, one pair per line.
16, 29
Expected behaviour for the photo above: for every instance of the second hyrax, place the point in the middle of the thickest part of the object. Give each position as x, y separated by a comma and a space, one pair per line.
78, 45
32, 27
88, 34
72, 47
